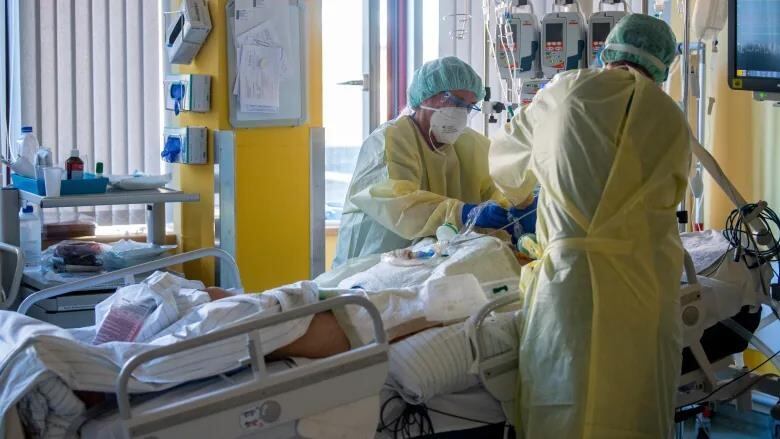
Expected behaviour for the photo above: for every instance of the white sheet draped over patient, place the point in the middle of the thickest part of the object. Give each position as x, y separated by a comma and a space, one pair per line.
32, 352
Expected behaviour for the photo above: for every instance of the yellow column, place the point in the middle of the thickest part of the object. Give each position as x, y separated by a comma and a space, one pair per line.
272, 172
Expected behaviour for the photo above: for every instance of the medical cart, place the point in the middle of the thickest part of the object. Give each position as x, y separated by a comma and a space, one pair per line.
77, 309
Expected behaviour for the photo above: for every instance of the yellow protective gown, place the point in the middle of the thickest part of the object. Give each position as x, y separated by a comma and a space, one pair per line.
601, 346
403, 190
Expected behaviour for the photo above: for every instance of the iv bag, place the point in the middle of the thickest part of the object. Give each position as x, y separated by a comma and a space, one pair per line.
709, 18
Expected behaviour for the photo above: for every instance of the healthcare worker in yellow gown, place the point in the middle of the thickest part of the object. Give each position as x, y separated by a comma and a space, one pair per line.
600, 348
423, 169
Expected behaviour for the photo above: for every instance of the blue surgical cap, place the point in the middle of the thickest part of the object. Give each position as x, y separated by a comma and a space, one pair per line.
444, 74
642, 40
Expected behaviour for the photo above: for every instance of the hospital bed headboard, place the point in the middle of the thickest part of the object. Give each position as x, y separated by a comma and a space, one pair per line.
9, 292
128, 274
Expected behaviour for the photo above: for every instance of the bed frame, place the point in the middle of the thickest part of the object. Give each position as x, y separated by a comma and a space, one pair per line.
270, 403
720, 381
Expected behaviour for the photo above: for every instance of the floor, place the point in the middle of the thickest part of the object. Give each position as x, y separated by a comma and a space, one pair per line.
728, 423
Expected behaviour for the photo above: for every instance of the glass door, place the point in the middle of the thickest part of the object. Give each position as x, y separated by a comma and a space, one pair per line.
350, 75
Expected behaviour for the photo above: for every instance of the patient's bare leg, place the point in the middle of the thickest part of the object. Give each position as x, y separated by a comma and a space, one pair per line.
323, 339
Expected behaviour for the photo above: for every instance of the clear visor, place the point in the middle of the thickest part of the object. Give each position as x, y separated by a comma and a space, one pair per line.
448, 100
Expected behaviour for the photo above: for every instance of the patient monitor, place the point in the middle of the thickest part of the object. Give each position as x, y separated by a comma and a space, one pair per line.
563, 42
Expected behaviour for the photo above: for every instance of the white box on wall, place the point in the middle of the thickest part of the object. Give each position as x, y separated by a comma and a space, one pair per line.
191, 143
195, 96
186, 34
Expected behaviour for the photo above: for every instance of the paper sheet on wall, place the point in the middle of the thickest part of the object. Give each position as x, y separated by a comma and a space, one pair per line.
259, 78
263, 23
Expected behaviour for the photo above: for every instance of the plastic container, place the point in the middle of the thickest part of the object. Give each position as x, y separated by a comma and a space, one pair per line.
74, 166
89, 185
452, 298
30, 236
23, 153
52, 181
43, 160
446, 232
27, 144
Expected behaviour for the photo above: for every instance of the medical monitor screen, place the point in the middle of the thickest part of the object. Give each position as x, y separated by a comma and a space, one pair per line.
554, 32
600, 31
754, 44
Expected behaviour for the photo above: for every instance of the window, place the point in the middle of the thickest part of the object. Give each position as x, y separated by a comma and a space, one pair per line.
88, 75
349, 108
430, 20
4, 64
343, 98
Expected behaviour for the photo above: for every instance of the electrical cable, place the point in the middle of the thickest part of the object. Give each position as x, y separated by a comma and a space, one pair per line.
411, 416
417, 416
730, 382
740, 237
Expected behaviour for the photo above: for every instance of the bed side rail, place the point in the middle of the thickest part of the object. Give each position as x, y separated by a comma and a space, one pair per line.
130, 272
16, 280
253, 343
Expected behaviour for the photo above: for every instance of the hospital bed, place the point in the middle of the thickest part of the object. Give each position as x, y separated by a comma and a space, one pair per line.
719, 320
261, 399
483, 410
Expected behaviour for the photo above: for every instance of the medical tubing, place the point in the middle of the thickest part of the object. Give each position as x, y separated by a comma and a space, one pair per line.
737, 231
486, 10
730, 382
457, 241
463, 418
752, 339
737, 228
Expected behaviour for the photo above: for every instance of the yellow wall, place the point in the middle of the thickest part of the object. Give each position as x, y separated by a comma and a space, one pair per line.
195, 221
272, 173
744, 136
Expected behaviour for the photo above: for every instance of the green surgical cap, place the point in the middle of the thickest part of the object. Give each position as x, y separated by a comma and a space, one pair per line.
653, 38
444, 74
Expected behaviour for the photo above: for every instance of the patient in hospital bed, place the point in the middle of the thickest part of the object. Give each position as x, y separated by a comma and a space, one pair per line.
32, 352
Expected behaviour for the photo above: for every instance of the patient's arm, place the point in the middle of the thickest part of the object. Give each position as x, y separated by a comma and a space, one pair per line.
216, 293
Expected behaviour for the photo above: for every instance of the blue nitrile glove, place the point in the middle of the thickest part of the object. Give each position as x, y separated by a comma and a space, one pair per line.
527, 216
172, 149
177, 94
488, 215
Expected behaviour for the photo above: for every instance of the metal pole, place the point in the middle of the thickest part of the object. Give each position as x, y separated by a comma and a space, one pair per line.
686, 60
645, 7
702, 108
685, 69
486, 75
701, 111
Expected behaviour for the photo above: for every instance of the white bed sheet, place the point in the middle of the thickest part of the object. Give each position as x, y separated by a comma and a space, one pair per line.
32, 352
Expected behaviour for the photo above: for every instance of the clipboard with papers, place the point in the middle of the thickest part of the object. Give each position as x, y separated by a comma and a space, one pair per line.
266, 62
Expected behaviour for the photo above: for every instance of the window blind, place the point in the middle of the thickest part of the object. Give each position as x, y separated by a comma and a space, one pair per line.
89, 76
